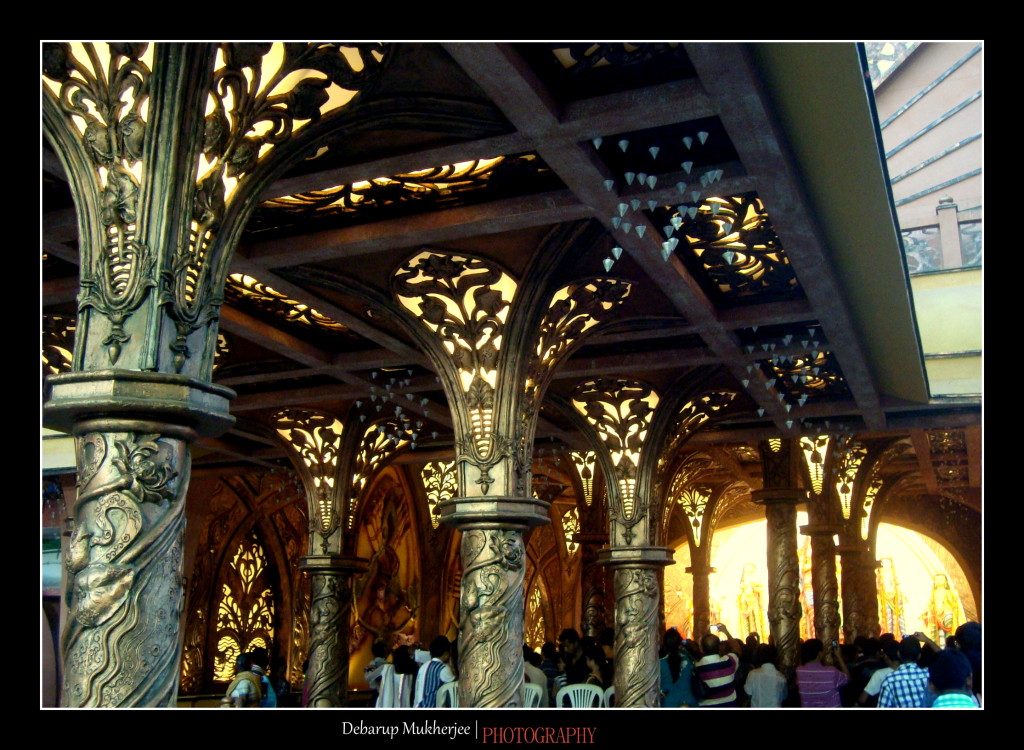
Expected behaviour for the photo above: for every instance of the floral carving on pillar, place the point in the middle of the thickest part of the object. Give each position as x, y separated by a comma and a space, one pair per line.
124, 566
491, 614
315, 438
621, 412
637, 595
328, 641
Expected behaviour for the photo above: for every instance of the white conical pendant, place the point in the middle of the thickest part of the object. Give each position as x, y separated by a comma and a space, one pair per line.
623, 207
651, 181
687, 166
597, 142
668, 230
609, 184
617, 252
702, 136
630, 176
623, 144
676, 221
607, 263
688, 141
640, 229
635, 204
626, 226
654, 151
692, 210
728, 256
616, 221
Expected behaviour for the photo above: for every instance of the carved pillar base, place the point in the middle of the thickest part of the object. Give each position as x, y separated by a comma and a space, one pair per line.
491, 611
826, 585
329, 615
859, 594
701, 600
783, 574
637, 601
123, 577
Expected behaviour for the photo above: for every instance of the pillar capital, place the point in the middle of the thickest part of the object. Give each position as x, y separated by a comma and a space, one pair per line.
507, 512
336, 565
777, 495
137, 401
636, 557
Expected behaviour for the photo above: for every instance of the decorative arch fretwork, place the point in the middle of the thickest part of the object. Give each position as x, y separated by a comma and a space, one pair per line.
439, 484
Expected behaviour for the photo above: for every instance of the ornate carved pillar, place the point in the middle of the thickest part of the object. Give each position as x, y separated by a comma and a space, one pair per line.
330, 613
701, 574
780, 462
637, 602
163, 182
824, 582
593, 579
859, 593
495, 344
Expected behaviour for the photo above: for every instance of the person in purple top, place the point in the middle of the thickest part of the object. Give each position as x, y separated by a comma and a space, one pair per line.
819, 683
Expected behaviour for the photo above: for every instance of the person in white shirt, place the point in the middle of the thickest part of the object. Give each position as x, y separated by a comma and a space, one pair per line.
765, 685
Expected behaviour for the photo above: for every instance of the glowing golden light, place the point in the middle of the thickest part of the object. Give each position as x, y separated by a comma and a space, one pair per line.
814, 456
440, 483
585, 463
570, 526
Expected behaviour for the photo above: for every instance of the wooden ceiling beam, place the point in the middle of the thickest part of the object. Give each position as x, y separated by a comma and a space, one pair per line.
923, 449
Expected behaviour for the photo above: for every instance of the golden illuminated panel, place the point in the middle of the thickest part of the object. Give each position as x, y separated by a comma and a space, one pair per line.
730, 246
815, 450
775, 444
694, 501
850, 458
440, 482
380, 440
621, 412
244, 289
317, 439
570, 527
421, 184
221, 352
799, 377
245, 612
869, 500
464, 302
585, 463
58, 343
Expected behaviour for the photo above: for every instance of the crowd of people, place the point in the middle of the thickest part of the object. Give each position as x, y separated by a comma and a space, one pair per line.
912, 673
719, 671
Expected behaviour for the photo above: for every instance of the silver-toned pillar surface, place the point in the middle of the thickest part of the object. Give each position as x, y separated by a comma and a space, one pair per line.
637, 602
492, 617
783, 575
330, 612
592, 576
120, 644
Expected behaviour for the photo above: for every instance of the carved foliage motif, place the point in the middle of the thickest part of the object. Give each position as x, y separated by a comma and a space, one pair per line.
621, 412
329, 622
124, 564
104, 91
316, 438
464, 302
849, 456
585, 463
733, 249
491, 616
440, 483
637, 682
535, 627
261, 95
815, 449
784, 608
693, 414
380, 441
245, 610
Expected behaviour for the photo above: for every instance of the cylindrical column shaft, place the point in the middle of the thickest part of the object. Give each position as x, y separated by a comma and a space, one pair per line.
637, 675
120, 643
491, 617
826, 586
701, 600
330, 611
783, 580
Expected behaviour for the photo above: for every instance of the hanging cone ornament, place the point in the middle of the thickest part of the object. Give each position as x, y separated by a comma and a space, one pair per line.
597, 142
702, 136
640, 229
626, 226
728, 256
635, 203
607, 263
616, 252
653, 150
687, 166
668, 230
609, 184
616, 221
651, 181
630, 176
623, 144
688, 141
652, 204
623, 207
681, 187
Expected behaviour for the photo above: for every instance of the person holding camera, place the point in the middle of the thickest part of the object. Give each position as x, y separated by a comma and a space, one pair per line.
819, 683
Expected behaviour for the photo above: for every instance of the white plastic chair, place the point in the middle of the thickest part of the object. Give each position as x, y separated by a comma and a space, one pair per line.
532, 693
448, 695
581, 695
609, 697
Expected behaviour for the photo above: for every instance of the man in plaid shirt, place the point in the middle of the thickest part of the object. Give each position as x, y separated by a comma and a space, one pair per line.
907, 687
